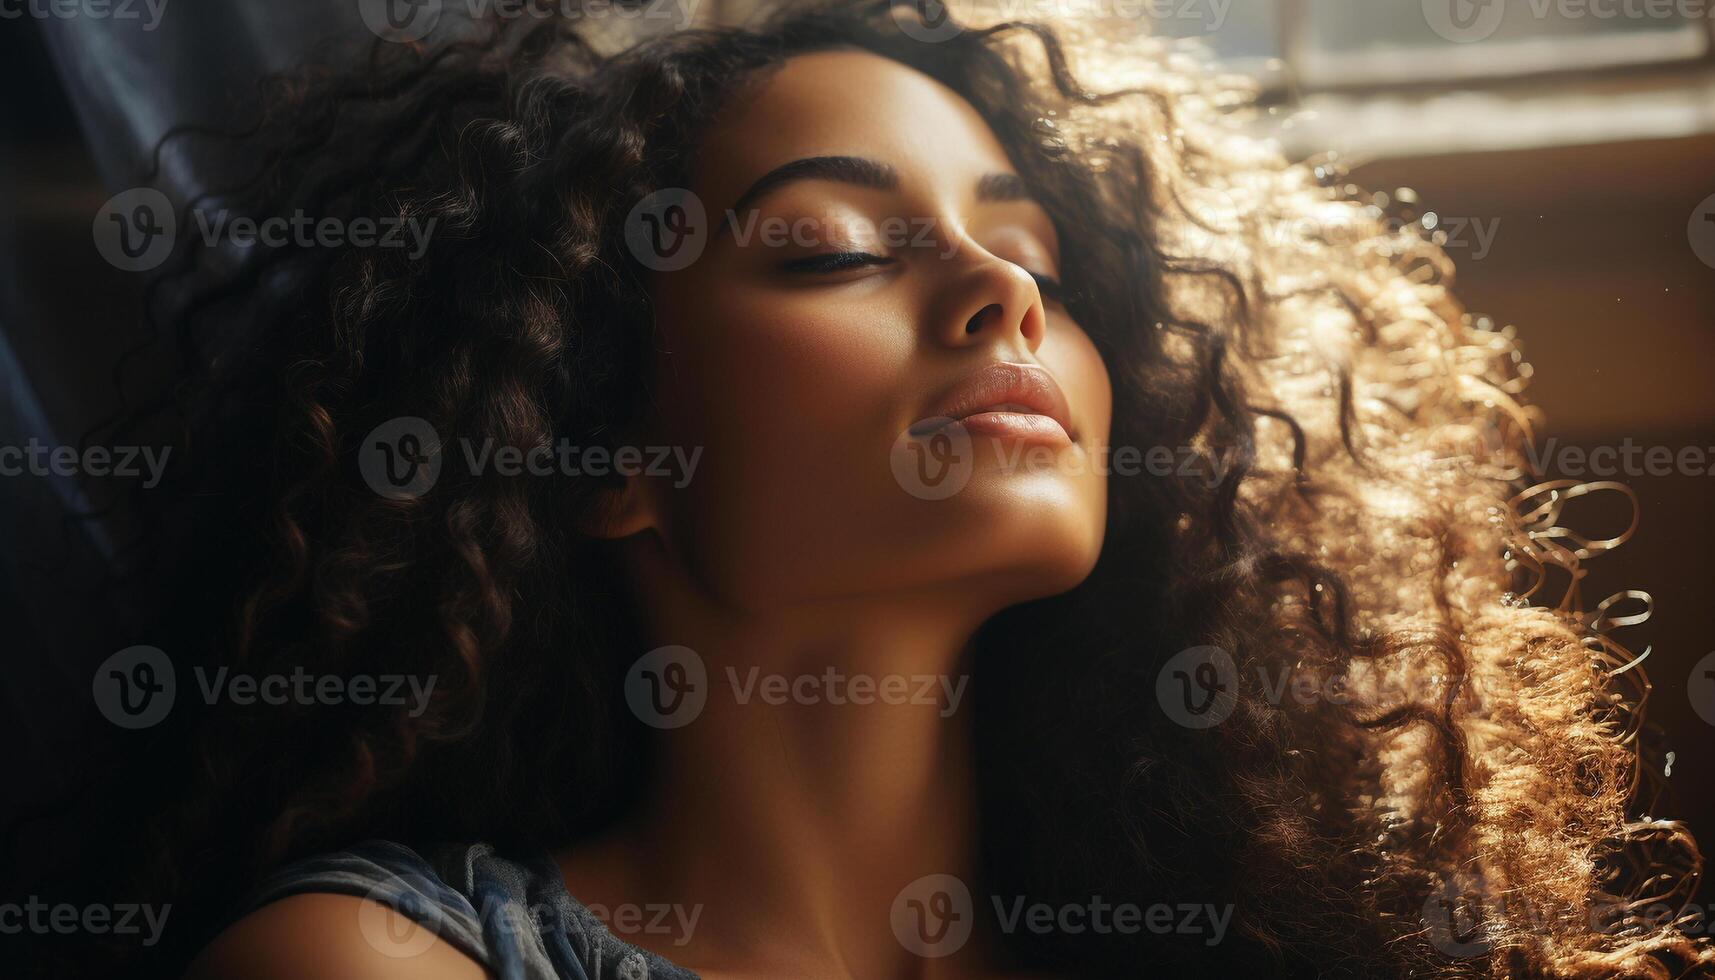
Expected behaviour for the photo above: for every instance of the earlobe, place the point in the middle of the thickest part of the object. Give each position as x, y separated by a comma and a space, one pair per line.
619, 512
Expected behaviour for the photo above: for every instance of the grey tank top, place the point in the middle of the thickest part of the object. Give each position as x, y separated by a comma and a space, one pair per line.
512, 915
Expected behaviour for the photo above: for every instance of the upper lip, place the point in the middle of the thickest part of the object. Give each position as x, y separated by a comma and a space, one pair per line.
1006, 386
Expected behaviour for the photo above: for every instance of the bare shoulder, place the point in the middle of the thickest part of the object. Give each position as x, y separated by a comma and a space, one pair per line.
331, 937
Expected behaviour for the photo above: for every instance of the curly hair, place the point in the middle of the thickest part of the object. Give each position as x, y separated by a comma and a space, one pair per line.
1457, 801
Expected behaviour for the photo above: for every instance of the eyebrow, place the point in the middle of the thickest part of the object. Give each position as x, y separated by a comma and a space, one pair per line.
864, 172
861, 171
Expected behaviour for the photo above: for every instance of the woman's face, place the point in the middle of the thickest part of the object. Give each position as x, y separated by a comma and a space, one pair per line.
894, 272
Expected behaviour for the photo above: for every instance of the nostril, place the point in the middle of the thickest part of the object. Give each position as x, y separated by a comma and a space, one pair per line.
975, 323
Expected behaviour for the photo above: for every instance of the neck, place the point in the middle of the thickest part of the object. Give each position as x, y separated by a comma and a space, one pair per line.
829, 768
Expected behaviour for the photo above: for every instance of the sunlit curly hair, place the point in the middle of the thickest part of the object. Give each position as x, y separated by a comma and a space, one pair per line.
1458, 801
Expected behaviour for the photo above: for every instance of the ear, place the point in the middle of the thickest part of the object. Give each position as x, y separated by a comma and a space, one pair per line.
619, 511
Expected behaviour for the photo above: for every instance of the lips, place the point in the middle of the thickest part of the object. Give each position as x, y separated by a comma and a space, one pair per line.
1005, 399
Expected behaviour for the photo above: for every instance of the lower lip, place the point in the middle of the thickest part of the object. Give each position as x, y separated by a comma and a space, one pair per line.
1017, 425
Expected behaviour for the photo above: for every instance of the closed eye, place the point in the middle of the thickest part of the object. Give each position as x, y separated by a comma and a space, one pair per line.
1049, 287
834, 262
828, 262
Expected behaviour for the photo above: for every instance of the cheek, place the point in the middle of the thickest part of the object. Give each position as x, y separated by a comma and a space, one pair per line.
1078, 365
791, 399
772, 379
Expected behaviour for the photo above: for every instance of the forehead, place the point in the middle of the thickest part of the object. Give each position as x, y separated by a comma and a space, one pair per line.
854, 103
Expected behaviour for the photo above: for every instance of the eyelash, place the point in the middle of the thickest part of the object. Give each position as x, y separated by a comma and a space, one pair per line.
1050, 287
835, 262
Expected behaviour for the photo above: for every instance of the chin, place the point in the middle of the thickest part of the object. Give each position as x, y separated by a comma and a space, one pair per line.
1042, 533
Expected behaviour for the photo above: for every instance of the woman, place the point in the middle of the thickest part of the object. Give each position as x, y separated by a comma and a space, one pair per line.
1083, 544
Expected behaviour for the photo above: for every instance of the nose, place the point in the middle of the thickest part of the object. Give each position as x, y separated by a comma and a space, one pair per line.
992, 301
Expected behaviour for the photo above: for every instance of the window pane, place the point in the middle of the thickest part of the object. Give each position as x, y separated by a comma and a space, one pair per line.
1242, 30
1358, 25
1363, 41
